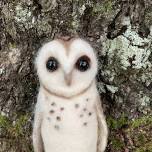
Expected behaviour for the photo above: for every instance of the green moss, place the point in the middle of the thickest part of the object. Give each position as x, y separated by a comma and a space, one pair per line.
4, 122
146, 120
117, 144
117, 123
138, 131
123, 121
141, 138
16, 134
16, 128
144, 148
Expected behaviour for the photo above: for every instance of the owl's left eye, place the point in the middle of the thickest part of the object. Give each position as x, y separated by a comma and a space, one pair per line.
52, 64
83, 63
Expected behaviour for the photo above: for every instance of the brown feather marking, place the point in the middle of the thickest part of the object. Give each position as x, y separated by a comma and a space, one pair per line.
52, 111
62, 108
85, 123
56, 127
66, 42
58, 118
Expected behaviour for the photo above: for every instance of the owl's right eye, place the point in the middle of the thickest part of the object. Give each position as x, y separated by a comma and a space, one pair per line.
52, 64
83, 63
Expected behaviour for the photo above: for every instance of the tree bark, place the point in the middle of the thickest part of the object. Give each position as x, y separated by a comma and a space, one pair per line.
121, 33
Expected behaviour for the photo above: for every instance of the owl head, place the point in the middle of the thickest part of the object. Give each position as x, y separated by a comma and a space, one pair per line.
66, 67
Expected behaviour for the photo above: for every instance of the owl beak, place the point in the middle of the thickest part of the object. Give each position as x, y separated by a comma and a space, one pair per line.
68, 78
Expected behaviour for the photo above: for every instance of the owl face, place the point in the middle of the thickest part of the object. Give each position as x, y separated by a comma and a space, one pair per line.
66, 68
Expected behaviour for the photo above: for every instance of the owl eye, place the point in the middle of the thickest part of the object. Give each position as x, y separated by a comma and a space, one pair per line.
83, 63
52, 64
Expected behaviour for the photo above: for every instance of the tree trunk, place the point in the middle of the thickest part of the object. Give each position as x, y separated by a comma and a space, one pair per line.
121, 33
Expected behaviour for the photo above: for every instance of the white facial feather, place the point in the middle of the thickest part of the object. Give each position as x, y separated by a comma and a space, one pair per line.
55, 81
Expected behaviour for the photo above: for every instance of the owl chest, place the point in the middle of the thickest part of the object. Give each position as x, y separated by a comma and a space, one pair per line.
74, 115
75, 120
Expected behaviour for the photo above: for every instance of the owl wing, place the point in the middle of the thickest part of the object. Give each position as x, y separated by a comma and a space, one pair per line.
102, 127
37, 138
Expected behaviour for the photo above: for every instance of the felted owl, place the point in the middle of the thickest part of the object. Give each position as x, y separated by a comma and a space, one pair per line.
68, 114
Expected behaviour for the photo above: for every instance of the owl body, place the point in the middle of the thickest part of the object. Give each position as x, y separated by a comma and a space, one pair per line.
69, 124
68, 113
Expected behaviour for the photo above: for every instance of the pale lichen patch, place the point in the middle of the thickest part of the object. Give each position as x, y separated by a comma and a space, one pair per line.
112, 88
76, 14
145, 101
132, 50
2, 70
151, 30
109, 74
22, 14
82, 9
128, 67
14, 55
101, 88
43, 24
146, 77
48, 5
75, 21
